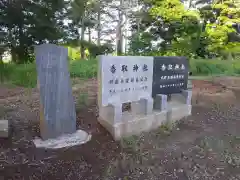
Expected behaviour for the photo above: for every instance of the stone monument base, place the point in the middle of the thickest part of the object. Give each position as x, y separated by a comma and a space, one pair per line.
135, 124
66, 140
4, 128
177, 111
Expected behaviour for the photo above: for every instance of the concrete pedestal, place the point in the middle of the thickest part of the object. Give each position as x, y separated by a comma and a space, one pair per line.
143, 120
134, 125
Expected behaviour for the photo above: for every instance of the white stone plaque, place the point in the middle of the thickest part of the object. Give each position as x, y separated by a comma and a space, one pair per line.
124, 79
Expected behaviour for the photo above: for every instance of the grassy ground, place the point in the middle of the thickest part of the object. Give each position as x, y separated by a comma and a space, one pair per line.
25, 74
203, 146
209, 77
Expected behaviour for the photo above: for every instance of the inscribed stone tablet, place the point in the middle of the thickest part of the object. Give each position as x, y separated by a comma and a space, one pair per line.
124, 78
170, 75
55, 91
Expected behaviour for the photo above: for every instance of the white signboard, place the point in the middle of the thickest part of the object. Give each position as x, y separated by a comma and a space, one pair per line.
124, 78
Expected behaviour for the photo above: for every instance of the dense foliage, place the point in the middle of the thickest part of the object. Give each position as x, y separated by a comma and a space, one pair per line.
210, 31
160, 27
26, 23
197, 29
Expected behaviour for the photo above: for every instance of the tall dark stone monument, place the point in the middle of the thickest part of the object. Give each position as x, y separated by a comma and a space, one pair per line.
58, 115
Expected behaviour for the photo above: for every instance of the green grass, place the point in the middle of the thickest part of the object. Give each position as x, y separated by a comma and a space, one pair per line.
21, 75
204, 67
83, 68
25, 74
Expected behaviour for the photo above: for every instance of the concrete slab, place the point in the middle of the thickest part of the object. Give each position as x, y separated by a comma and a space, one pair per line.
66, 140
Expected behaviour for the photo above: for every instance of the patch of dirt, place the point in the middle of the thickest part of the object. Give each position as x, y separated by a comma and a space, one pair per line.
88, 88
228, 81
204, 146
208, 92
232, 83
9, 91
208, 87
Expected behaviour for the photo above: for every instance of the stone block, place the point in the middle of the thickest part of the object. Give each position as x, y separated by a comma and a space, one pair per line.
63, 141
170, 75
113, 113
185, 97
149, 106
124, 78
188, 96
116, 109
143, 106
57, 105
178, 98
106, 113
138, 107
176, 113
160, 118
4, 128
134, 124
160, 102
189, 85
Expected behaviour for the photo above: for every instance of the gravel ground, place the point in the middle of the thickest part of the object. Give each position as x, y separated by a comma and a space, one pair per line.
204, 146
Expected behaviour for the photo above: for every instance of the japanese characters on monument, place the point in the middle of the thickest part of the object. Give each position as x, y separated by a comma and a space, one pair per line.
58, 108
170, 75
125, 78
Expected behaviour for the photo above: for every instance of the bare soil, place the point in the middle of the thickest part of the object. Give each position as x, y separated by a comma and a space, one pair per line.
204, 146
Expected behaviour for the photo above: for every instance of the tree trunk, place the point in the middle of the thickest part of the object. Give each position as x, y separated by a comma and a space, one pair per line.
99, 26
1, 69
22, 48
89, 35
118, 38
1, 59
13, 54
119, 29
82, 41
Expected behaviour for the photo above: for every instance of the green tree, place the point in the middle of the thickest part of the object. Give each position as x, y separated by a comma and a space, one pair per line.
222, 19
140, 44
81, 12
181, 25
211, 30
178, 28
29, 22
